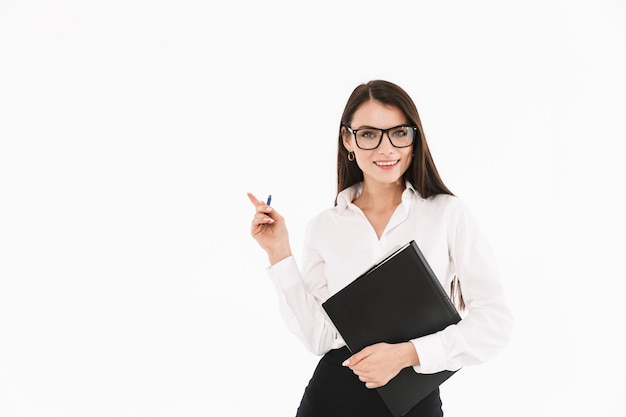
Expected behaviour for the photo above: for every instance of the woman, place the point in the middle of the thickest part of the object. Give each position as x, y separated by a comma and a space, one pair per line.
389, 193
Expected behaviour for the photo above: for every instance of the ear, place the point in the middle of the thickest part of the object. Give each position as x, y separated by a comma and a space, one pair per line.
347, 139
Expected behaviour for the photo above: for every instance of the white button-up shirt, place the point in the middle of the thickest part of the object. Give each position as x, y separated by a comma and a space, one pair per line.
340, 244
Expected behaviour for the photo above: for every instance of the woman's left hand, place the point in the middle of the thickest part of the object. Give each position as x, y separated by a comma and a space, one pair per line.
377, 364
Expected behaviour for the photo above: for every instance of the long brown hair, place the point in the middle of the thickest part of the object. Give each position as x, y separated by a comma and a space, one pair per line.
422, 173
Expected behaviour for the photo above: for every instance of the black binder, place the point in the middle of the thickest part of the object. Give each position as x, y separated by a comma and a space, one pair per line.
397, 299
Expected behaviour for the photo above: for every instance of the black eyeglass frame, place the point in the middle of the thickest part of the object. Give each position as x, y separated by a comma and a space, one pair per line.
382, 134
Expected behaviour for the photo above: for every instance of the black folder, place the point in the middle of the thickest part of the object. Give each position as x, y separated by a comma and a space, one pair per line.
396, 300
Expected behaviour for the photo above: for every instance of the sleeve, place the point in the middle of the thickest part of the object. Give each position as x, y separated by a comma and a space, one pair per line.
486, 326
300, 295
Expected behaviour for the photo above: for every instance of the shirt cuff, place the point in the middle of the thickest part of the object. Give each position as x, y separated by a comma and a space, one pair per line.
285, 273
431, 353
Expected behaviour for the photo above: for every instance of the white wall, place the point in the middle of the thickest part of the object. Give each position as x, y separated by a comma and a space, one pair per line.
130, 132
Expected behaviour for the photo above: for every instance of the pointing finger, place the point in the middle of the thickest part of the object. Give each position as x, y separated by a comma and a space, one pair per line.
255, 201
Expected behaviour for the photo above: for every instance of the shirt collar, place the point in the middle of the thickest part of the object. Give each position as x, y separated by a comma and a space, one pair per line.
348, 195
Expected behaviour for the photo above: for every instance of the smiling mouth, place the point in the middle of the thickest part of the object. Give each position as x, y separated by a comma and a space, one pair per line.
386, 163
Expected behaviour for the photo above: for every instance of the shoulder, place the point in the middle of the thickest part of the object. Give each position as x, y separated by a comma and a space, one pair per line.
454, 209
324, 217
446, 202
342, 202
321, 227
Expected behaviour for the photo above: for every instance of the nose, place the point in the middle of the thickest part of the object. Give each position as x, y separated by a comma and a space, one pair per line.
386, 146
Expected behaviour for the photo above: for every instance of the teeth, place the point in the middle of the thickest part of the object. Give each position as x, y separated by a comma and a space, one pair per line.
386, 163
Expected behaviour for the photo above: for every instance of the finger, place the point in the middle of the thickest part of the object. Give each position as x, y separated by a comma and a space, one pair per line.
261, 218
369, 383
258, 223
350, 361
261, 207
255, 201
356, 358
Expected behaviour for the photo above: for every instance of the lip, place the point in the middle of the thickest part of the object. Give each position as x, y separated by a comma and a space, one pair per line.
387, 164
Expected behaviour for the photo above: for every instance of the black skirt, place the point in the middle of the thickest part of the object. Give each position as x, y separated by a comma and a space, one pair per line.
334, 391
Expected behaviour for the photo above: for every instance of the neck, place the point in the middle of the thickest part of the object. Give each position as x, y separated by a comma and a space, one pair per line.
378, 197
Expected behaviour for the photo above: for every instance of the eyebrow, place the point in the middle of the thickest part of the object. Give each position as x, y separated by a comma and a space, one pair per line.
372, 127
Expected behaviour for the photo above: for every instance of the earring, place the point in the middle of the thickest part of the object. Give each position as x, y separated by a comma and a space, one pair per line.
350, 156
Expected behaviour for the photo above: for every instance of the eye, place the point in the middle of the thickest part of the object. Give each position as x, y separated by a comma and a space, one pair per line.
368, 134
400, 132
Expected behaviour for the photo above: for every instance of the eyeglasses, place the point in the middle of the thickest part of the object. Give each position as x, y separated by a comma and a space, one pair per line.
370, 138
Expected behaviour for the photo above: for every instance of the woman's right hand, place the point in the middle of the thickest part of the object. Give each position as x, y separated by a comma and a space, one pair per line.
269, 230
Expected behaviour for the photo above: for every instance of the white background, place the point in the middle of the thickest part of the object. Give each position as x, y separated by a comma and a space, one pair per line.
131, 130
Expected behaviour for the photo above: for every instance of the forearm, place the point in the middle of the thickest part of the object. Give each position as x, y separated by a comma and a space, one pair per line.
408, 354
301, 309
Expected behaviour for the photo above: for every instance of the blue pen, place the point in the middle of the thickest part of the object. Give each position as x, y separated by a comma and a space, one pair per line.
269, 199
